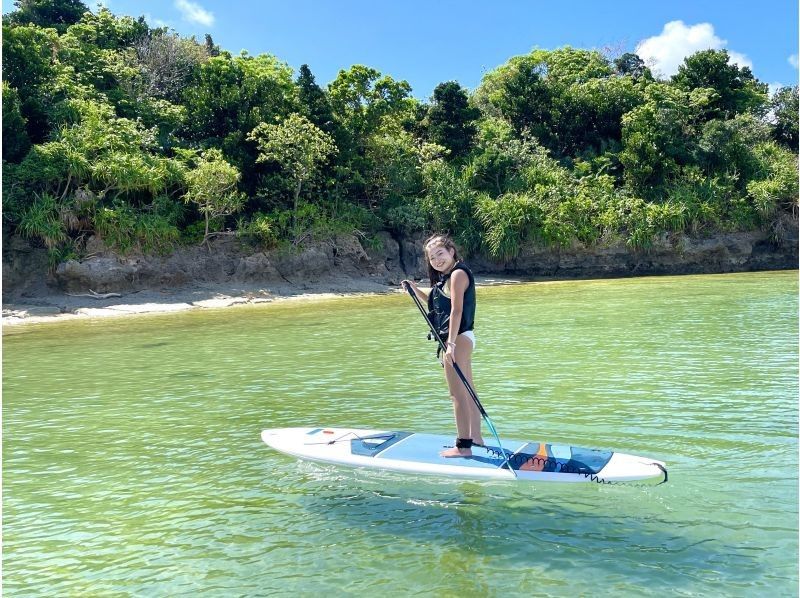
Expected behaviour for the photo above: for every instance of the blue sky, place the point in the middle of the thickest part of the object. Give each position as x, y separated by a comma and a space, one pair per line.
427, 42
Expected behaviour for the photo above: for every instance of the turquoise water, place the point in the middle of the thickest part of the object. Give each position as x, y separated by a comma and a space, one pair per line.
132, 463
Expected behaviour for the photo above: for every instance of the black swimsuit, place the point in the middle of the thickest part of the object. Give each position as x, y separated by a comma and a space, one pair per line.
439, 304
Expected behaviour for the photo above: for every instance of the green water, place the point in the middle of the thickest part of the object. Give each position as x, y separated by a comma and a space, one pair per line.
132, 463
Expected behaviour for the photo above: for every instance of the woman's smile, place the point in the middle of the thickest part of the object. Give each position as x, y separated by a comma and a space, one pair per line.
441, 259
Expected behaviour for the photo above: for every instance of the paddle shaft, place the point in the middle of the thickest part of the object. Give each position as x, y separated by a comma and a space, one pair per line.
461, 376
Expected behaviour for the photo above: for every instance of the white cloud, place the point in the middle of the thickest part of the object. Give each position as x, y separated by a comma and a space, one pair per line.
793, 60
194, 13
154, 22
665, 52
739, 59
774, 87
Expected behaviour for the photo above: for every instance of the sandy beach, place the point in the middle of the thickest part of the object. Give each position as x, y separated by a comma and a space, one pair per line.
57, 307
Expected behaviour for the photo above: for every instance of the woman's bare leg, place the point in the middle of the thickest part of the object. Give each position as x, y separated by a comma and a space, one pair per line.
475, 418
467, 415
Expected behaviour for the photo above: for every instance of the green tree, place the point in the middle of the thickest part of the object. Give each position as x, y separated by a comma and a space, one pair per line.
784, 107
97, 168
567, 99
508, 221
726, 146
448, 204
498, 163
16, 141
550, 207
361, 98
28, 57
109, 32
231, 95
659, 136
28, 68
228, 97
631, 65
363, 101
297, 145
211, 186
568, 66
774, 188
95, 105
58, 14
99, 152
737, 90
314, 104
211, 48
451, 120
395, 157
518, 92
590, 122
166, 63
93, 56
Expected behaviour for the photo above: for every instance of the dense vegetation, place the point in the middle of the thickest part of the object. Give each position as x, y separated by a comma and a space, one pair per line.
150, 139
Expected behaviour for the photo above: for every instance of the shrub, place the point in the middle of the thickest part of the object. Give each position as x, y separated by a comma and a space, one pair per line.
41, 221
260, 227
449, 205
124, 228
777, 186
508, 222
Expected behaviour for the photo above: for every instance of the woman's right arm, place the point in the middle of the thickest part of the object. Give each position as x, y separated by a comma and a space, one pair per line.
421, 295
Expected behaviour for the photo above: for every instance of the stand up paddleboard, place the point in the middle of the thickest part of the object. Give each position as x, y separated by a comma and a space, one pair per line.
419, 453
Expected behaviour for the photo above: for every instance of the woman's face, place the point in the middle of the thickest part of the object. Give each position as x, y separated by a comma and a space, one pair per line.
441, 258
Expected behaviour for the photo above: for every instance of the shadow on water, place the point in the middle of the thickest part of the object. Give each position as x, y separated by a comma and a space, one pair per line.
623, 532
154, 345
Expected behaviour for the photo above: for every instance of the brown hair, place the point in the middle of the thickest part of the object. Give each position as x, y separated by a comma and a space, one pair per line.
437, 240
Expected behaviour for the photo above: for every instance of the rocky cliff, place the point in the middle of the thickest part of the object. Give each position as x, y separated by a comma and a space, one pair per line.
386, 260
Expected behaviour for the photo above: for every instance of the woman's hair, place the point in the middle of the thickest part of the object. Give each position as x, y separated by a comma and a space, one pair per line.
436, 241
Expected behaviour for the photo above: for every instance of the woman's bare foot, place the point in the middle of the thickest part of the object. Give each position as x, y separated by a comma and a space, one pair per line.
478, 442
456, 452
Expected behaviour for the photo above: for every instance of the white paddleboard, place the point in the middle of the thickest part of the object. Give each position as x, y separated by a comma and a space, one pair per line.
419, 453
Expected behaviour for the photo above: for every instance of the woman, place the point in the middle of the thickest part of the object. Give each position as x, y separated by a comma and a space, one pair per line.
451, 303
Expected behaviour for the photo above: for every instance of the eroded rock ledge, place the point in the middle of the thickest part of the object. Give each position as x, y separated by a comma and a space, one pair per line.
343, 263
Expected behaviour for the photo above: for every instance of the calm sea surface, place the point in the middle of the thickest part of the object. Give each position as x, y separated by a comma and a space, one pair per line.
132, 463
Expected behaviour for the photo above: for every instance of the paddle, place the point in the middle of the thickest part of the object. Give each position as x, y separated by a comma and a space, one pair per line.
461, 376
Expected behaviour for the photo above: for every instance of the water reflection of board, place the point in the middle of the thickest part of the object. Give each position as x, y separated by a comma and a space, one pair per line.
419, 453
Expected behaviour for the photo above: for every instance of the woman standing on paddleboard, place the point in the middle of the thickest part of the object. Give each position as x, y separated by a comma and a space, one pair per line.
451, 306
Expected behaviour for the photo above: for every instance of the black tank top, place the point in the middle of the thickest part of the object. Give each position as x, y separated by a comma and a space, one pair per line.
439, 304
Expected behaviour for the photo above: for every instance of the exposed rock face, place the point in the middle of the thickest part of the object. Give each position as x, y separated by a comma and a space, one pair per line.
229, 260
678, 254
25, 269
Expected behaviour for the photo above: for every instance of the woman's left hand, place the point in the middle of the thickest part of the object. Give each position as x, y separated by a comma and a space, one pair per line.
450, 354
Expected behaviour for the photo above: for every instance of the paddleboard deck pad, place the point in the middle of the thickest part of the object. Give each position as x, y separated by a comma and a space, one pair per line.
419, 453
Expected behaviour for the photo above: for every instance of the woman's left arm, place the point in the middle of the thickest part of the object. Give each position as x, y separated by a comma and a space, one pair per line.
459, 281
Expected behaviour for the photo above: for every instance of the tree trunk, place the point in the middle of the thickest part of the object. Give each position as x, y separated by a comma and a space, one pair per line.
205, 237
294, 213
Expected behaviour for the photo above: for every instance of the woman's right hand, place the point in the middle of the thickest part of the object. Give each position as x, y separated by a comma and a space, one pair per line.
406, 284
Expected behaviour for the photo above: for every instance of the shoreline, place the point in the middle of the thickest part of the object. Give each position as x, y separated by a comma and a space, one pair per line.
63, 307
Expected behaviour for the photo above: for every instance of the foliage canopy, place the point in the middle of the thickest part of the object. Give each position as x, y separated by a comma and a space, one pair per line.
148, 139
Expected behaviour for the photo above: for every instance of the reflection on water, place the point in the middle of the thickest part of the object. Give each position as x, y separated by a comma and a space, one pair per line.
133, 464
